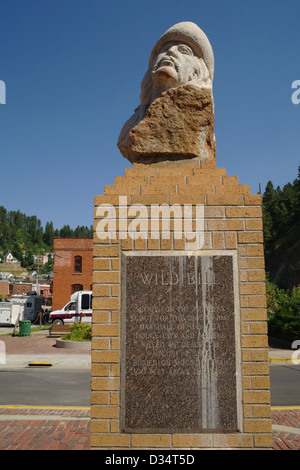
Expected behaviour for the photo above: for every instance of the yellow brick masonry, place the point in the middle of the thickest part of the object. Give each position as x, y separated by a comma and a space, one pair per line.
233, 221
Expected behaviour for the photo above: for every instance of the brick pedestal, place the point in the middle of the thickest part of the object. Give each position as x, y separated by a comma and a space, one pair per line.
233, 224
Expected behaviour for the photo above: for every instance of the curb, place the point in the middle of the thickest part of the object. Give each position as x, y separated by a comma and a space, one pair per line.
61, 343
282, 359
295, 362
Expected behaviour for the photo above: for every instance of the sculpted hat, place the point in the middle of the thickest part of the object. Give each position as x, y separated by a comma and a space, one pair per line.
193, 36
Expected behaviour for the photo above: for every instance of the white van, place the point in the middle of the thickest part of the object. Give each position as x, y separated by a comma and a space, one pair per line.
78, 309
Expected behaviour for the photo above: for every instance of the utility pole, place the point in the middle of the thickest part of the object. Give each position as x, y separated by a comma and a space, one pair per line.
37, 284
37, 276
3, 279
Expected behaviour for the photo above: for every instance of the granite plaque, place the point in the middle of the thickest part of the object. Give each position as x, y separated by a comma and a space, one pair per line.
178, 343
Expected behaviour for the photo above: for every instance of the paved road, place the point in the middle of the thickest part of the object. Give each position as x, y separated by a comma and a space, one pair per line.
285, 385
71, 387
48, 387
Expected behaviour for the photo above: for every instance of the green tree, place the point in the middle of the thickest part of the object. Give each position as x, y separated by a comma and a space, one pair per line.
3, 215
297, 199
6, 239
35, 230
281, 216
21, 234
283, 312
17, 252
83, 232
48, 267
49, 235
28, 260
66, 232
270, 213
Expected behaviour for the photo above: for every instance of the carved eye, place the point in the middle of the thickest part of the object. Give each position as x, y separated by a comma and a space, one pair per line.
185, 49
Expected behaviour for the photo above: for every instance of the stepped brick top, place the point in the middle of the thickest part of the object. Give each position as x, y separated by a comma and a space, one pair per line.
189, 182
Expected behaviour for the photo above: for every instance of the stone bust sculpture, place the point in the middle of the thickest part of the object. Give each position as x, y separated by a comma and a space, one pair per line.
175, 118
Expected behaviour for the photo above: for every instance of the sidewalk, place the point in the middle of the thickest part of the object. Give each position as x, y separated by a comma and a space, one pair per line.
286, 428
68, 428
62, 428
283, 355
39, 348
38, 428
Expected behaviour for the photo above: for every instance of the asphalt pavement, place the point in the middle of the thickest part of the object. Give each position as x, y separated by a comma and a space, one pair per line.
67, 427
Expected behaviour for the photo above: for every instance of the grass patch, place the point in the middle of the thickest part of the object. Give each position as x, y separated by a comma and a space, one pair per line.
79, 332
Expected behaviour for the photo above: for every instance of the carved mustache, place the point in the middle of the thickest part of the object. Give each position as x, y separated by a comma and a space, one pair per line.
167, 59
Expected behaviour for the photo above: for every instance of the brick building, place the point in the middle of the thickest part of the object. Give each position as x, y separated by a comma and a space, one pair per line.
4, 288
73, 268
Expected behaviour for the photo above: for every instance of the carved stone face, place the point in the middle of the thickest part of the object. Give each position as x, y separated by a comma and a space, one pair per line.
175, 65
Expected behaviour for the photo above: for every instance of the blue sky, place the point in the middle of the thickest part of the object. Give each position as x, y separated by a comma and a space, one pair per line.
73, 70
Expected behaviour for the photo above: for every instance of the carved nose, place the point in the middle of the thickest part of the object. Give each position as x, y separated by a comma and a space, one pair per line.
172, 51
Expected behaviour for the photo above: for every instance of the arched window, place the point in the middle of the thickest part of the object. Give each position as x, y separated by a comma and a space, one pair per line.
77, 264
76, 288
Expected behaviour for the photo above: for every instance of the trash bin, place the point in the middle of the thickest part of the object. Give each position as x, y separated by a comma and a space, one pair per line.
25, 328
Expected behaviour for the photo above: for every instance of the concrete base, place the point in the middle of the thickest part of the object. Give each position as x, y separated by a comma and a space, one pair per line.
61, 343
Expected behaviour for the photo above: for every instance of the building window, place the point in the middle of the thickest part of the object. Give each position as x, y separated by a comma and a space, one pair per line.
76, 288
77, 264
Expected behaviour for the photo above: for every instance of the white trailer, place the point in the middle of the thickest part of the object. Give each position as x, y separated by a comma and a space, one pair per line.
13, 311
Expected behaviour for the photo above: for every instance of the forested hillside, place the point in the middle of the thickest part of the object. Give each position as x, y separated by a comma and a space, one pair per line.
25, 236
281, 213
